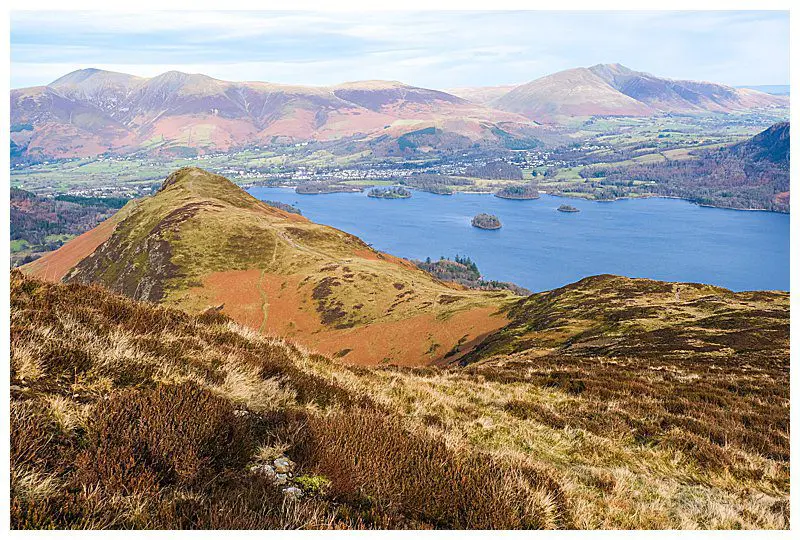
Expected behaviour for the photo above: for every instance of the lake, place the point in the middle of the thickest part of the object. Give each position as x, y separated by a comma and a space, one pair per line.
541, 248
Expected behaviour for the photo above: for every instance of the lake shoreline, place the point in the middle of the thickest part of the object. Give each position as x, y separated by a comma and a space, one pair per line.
660, 238
615, 199
562, 196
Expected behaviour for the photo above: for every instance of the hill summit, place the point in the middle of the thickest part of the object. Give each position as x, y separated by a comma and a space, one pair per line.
202, 242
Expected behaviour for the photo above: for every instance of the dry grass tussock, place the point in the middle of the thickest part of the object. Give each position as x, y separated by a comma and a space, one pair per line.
609, 477
130, 415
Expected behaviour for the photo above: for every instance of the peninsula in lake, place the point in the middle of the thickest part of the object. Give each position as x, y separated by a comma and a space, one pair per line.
320, 188
519, 192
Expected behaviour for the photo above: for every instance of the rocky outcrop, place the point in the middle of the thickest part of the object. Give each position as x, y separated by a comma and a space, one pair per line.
280, 472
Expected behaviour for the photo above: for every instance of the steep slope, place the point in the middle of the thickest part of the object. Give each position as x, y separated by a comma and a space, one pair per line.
574, 92
54, 265
44, 123
42, 223
130, 415
124, 414
680, 96
615, 90
106, 90
201, 241
772, 144
92, 111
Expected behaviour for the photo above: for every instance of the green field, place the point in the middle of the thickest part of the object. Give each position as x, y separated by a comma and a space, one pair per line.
18, 246
602, 141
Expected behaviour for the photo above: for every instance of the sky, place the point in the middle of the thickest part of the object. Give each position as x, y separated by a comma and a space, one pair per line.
432, 49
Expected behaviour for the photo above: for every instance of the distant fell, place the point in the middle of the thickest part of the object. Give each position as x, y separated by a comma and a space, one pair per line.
616, 90
91, 111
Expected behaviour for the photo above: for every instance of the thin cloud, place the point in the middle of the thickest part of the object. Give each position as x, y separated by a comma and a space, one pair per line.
433, 49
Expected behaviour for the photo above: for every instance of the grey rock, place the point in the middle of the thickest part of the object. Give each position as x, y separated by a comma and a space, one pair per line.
265, 470
293, 492
281, 479
283, 465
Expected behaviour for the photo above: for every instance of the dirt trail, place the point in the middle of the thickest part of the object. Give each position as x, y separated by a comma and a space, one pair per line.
264, 300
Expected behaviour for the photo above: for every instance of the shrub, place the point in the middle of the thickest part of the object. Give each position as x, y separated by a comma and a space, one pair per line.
373, 462
141, 441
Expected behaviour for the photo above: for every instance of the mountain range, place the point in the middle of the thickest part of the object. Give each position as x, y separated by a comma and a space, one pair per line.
90, 111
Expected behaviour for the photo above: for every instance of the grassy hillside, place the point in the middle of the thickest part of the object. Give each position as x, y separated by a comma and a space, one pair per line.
124, 414
609, 403
617, 316
202, 241
693, 379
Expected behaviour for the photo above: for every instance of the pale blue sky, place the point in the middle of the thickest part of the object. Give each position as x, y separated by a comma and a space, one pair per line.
431, 49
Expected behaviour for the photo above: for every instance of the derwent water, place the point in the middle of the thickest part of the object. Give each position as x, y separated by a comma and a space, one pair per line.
541, 248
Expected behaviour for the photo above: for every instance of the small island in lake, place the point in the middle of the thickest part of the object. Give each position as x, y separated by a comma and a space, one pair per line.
486, 221
520, 192
567, 208
389, 193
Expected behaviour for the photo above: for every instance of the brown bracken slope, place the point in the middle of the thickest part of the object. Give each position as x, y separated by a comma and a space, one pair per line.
203, 242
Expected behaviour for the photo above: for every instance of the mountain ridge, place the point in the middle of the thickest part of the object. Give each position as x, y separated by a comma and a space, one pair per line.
615, 90
93, 111
202, 241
